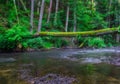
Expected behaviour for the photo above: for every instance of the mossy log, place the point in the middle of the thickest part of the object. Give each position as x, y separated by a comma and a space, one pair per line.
84, 33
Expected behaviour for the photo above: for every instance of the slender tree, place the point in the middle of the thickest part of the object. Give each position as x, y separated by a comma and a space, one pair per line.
49, 11
41, 16
38, 7
56, 12
32, 15
92, 5
75, 22
117, 16
21, 1
109, 11
67, 19
16, 10
75, 17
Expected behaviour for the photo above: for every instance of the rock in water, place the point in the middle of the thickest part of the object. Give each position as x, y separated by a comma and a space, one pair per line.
7, 60
54, 79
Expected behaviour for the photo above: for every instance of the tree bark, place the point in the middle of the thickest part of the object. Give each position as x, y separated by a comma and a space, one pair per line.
23, 5
38, 7
75, 17
49, 10
75, 21
32, 15
117, 38
85, 33
16, 10
56, 12
41, 16
67, 19
109, 11
92, 5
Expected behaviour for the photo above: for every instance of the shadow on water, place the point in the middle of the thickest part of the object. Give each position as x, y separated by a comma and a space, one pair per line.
86, 66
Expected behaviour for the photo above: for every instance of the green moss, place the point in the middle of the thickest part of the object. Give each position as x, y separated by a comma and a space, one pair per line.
86, 33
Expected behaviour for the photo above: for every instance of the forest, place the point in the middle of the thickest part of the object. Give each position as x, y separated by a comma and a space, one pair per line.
37, 24
59, 41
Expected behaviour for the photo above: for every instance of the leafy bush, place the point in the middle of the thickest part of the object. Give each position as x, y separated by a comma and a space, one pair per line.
109, 39
12, 37
36, 43
32, 43
51, 41
58, 42
2, 30
96, 42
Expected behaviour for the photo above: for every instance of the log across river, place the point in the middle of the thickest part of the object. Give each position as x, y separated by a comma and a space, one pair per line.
84, 33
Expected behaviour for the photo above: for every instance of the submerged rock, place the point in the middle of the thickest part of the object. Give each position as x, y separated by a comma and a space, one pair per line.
54, 79
47, 79
25, 74
91, 60
7, 60
116, 62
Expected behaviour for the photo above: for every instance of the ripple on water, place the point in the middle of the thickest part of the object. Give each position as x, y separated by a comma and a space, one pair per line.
91, 60
109, 56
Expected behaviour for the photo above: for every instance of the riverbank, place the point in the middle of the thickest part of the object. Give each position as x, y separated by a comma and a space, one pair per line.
53, 48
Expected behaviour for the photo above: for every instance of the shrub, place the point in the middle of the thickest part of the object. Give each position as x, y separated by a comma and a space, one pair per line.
12, 37
96, 42
58, 42
36, 43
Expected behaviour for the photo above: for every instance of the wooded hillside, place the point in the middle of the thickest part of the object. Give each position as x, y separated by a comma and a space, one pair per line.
19, 18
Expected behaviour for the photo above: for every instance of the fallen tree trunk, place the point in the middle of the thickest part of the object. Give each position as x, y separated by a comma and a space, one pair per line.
84, 33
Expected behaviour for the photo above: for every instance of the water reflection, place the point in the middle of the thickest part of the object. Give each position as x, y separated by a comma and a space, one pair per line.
86, 66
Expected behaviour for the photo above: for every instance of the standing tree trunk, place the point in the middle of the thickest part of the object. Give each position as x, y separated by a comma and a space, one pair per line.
117, 37
92, 5
75, 17
41, 16
75, 21
56, 12
117, 15
32, 15
23, 5
38, 7
74, 29
93, 9
16, 10
109, 11
49, 10
67, 19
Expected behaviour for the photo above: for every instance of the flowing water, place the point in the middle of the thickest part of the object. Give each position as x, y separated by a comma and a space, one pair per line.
61, 66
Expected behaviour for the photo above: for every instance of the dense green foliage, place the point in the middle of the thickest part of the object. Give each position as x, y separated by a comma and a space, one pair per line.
12, 37
90, 15
96, 42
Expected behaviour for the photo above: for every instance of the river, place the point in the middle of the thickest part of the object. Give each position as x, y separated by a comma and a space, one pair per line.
61, 66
